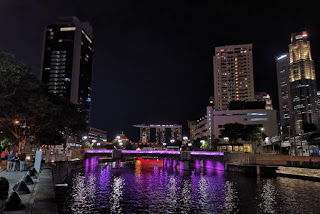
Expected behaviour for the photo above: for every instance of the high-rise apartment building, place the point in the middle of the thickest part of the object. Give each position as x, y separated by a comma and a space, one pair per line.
67, 61
303, 85
233, 75
283, 77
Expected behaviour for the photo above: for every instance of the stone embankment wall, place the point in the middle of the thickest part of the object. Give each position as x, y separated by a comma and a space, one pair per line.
299, 172
62, 170
64, 156
271, 159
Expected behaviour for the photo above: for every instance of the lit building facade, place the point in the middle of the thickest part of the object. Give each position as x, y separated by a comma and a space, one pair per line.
265, 120
303, 85
67, 61
233, 75
284, 94
198, 129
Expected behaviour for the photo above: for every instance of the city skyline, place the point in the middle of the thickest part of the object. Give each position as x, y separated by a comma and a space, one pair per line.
147, 70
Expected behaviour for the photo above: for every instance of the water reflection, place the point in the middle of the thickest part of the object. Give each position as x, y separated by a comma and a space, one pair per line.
116, 195
268, 196
163, 186
231, 198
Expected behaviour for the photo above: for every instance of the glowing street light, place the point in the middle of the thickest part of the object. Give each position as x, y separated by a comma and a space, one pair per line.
172, 141
185, 138
16, 122
84, 137
202, 141
118, 137
94, 141
164, 144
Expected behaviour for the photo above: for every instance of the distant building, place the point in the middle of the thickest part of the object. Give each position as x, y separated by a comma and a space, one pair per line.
284, 94
264, 97
198, 129
161, 135
303, 84
233, 75
67, 61
97, 135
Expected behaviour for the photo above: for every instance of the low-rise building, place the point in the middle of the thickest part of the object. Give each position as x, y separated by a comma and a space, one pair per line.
265, 120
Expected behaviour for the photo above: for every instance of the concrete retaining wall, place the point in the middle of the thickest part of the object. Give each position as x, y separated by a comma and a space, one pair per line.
269, 159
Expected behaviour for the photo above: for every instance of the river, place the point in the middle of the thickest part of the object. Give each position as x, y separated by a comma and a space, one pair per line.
163, 186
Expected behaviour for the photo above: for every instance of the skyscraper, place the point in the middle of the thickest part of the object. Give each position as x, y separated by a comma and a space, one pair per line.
233, 75
303, 85
67, 61
283, 76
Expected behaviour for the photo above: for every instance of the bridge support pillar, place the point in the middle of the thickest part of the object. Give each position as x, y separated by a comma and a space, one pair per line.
258, 170
186, 165
117, 163
116, 154
201, 163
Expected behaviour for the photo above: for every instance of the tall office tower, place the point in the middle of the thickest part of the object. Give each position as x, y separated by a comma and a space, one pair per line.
67, 61
303, 85
283, 76
233, 75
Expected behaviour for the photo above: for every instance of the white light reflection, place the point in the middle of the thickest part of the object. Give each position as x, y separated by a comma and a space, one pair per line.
231, 198
186, 197
116, 195
268, 197
83, 194
172, 197
204, 200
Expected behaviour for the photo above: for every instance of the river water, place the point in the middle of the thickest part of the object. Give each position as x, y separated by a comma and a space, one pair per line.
163, 186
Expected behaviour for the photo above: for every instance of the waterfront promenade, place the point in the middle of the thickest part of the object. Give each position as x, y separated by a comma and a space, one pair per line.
41, 198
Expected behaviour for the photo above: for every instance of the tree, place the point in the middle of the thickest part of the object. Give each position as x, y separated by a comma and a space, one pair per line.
254, 136
309, 127
28, 111
233, 131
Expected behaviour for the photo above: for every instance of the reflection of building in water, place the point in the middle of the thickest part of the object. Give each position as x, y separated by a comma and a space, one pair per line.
160, 133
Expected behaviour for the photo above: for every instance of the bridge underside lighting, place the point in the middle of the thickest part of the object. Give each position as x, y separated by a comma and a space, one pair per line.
99, 151
157, 152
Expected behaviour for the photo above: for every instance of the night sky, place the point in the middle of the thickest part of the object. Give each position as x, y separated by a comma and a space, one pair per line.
153, 59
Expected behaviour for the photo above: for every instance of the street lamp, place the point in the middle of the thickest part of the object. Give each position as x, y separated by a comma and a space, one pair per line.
202, 141
172, 141
93, 141
120, 143
84, 137
185, 138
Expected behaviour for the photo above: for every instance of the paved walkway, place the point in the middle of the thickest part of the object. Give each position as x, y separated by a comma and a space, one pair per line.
42, 196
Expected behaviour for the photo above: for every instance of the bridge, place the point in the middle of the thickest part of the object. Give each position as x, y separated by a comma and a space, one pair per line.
151, 153
185, 156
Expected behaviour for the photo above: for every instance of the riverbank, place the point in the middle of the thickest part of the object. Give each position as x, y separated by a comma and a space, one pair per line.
41, 198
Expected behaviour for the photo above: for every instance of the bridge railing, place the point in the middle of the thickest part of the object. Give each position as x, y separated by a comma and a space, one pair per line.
159, 152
